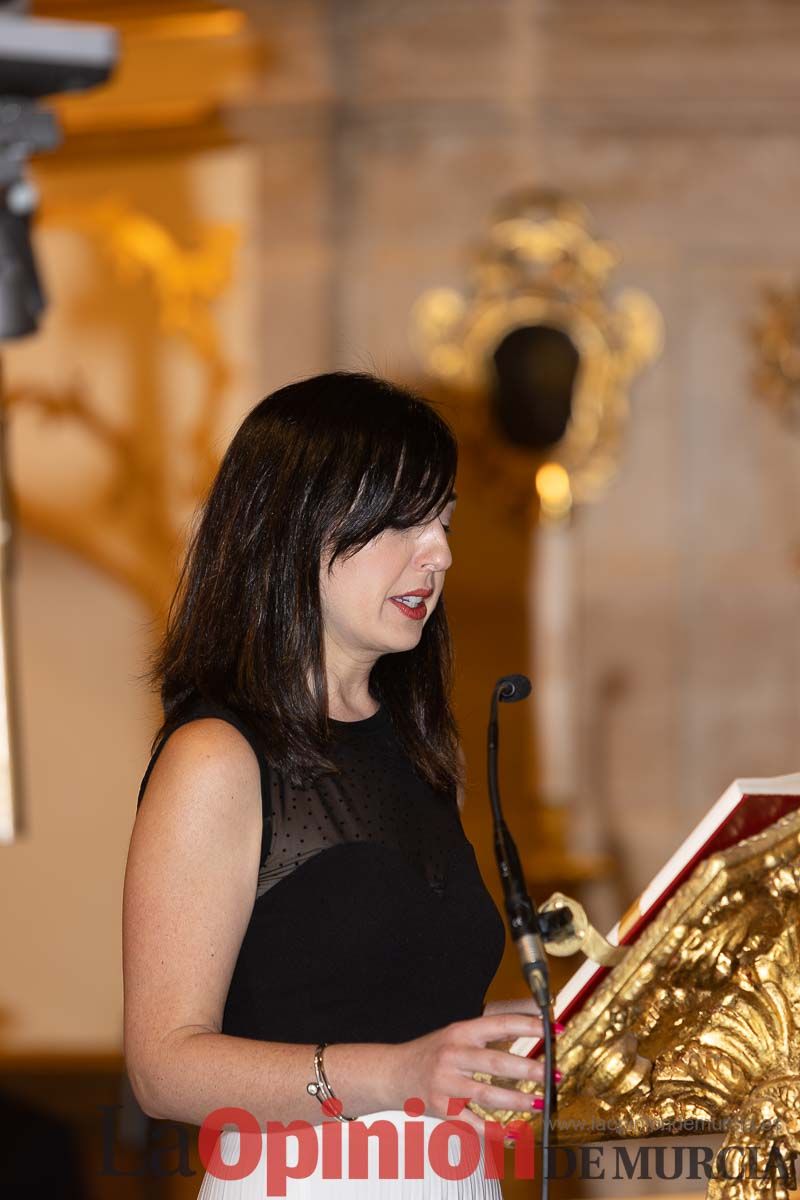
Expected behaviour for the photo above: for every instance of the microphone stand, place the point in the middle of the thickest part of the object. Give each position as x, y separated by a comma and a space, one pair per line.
523, 917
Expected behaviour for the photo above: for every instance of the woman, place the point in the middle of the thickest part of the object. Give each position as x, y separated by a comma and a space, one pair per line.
302, 906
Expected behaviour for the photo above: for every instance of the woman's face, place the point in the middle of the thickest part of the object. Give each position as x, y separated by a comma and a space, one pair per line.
363, 613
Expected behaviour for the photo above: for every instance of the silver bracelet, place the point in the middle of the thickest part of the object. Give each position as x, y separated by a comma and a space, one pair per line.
321, 1088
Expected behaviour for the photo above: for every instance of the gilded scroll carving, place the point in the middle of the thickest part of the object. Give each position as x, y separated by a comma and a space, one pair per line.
699, 1027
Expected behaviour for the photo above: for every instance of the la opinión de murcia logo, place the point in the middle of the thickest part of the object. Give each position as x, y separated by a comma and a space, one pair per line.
296, 1149
311, 1148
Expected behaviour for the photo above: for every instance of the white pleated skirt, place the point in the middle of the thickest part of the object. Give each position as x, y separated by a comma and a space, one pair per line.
451, 1167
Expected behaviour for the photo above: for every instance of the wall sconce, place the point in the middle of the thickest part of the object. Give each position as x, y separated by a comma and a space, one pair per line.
541, 357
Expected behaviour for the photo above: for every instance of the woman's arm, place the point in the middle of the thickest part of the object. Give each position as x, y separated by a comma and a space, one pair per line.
189, 890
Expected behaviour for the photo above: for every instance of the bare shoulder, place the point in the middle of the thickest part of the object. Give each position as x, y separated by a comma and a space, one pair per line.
205, 762
201, 811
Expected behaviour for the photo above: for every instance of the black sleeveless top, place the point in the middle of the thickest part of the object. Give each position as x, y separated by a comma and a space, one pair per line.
371, 922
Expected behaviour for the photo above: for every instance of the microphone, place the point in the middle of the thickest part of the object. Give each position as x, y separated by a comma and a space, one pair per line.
513, 687
524, 920
522, 915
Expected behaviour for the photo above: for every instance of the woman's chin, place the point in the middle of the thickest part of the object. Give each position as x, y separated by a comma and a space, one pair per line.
404, 636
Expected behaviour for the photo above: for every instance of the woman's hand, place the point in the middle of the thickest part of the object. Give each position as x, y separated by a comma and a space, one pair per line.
438, 1067
524, 1004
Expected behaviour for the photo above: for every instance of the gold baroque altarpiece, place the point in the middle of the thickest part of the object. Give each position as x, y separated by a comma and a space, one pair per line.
698, 1028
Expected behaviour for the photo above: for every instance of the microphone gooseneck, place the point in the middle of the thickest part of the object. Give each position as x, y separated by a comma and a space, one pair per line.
523, 917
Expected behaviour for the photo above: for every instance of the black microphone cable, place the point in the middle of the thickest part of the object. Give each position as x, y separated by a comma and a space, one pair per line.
522, 913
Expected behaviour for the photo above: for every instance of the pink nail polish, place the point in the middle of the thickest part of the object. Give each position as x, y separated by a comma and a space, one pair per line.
559, 1028
537, 1103
557, 1076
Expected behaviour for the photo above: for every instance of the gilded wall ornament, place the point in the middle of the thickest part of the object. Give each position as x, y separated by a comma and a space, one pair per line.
538, 353
131, 526
187, 68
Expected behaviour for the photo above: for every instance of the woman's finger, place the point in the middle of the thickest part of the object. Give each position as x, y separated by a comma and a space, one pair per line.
496, 1026
504, 1065
470, 1118
491, 1097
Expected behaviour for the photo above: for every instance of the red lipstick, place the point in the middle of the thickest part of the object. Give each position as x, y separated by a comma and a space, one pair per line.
417, 612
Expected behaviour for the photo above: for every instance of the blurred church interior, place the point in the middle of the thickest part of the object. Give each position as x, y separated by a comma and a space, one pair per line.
572, 224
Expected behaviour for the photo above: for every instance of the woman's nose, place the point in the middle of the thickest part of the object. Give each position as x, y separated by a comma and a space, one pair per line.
434, 552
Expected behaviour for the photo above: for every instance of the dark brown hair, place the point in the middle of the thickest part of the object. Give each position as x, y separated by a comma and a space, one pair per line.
328, 461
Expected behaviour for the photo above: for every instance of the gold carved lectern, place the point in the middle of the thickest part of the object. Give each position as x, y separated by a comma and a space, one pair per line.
697, 1029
